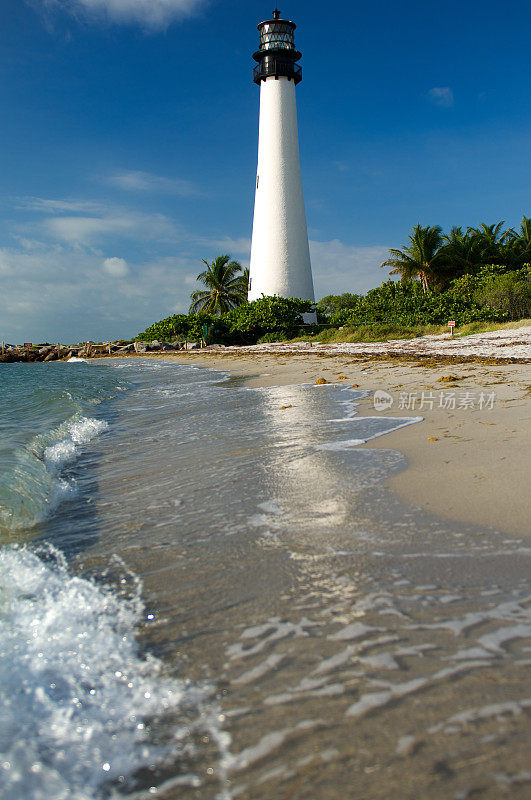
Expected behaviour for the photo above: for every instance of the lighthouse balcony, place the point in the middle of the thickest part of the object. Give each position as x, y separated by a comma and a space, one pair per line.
273, 67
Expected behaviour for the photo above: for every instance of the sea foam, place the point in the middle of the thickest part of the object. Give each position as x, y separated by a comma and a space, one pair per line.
37, 484
78, 702
77, 432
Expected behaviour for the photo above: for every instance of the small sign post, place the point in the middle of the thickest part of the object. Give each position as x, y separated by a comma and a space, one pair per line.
451, 325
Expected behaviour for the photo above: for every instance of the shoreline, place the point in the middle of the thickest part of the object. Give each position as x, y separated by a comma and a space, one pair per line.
466, 464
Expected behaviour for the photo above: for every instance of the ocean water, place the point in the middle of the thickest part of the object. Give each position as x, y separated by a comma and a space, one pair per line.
206, 591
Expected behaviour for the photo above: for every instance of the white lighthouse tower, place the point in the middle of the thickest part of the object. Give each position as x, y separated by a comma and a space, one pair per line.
280, 256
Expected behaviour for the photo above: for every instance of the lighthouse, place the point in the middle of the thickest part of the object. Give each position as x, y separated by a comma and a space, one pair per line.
280, 256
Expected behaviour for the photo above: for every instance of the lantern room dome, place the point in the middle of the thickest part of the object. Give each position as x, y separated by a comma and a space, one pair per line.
277, 53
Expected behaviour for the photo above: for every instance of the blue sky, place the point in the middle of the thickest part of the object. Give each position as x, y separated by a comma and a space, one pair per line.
128, 143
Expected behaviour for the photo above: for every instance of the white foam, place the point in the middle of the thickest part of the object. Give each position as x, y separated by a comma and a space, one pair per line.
343, 445
268, 744
494, 641
374, 700
356, 630
350, 652
401, 422
505, 781
405, 745
309, 687
75, 693
493, 711
252, 675
78, 432
271, 631
37, 485
380, 661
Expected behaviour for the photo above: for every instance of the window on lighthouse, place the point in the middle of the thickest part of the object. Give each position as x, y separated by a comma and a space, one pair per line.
276, 37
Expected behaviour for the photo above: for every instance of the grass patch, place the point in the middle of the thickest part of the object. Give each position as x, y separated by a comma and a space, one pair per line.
380, 332
485, 327
384, 332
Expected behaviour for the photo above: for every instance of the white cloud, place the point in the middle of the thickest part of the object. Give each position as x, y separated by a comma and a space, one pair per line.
64, 285
234, 247
116, 267
96, 221
83, 230
58, 293
338, 267
51, 206
441, 96
138, 181
151, 14
65, 292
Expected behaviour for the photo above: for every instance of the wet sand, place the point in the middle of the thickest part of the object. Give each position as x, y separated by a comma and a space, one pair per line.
468, 464
357, 647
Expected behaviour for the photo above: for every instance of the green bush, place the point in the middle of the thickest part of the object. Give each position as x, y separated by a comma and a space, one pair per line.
277, 317
176, 326
404, 303
394, 309
250, 321
507, 293
267, 338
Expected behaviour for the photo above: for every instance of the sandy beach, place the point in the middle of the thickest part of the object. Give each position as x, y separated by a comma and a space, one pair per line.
469, 457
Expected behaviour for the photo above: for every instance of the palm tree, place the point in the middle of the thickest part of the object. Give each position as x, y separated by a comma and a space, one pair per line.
224, 287
245, 281
489, 241
517, 245
424, 258
525, 231
460, 250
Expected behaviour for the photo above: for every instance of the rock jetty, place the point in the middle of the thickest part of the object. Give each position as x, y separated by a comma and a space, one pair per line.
29, 352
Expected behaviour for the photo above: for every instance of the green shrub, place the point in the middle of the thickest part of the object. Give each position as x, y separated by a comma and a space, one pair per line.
250, 321
278, 317
169, 328
403, 303
508, 294
393, 310
279, 336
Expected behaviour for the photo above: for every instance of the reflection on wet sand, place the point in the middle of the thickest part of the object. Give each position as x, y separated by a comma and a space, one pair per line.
356, 647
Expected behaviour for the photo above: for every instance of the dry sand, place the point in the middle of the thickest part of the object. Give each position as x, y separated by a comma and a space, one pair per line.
469, 463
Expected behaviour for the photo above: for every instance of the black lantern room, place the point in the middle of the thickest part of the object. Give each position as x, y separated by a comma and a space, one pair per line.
277, 53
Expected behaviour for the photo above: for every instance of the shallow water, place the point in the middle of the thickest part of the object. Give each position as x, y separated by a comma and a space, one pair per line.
258, 616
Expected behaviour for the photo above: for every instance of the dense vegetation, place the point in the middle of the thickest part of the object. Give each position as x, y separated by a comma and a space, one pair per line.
435, 259
269, 318
491, 295
480, 275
